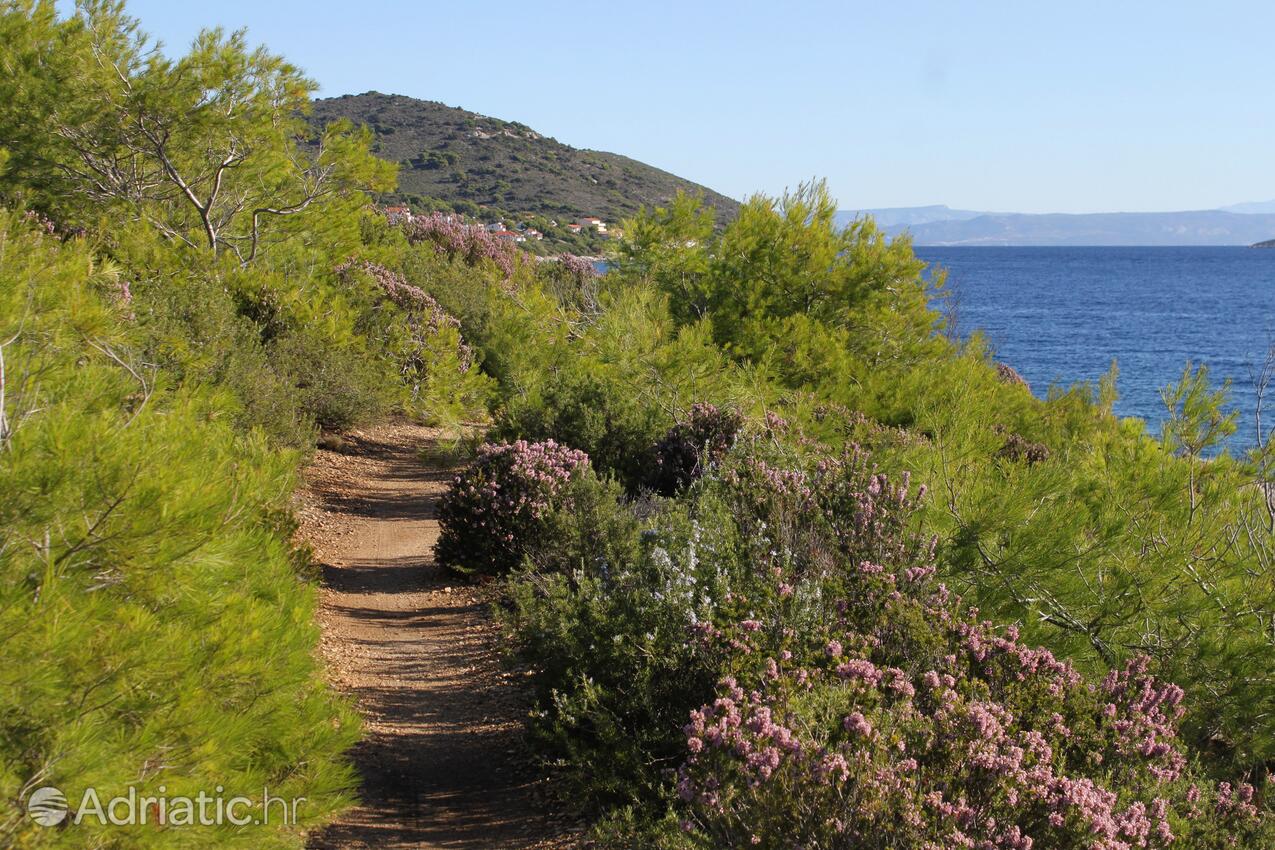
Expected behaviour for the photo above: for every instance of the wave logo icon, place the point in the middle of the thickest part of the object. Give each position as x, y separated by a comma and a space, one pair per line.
47, 806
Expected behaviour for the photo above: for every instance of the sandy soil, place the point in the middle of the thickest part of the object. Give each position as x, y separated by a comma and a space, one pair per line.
442, 761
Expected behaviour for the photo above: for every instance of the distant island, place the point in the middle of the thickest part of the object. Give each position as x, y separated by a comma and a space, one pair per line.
1240, 225
1269, 243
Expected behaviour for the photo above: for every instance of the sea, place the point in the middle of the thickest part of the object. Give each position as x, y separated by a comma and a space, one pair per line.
1061, 315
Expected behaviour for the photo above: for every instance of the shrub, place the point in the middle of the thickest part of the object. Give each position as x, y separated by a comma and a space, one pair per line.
192, 328
422, 343
574, 282
471, 242
617, 670
690, 447
632, 638
155, 630
495, 508
338, 386
596, 412
982, 742
859, 703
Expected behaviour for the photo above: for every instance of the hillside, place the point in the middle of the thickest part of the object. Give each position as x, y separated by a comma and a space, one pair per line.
470, 161
898, 217
1269, 243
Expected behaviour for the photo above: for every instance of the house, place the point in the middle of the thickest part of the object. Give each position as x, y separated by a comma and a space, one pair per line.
496, 227
594, 222
398, 214
532, 233
508, 235
574, 228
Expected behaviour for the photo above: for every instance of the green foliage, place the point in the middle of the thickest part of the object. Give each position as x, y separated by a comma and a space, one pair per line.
155, 630
172, 330
618, 673
419, 342
492, 169
210, 139
1102, 543
495, 512
614, 383
208, 317
194, 330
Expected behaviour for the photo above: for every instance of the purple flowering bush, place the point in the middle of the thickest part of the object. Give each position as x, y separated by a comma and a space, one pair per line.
967, 738
630, 640
574, 282
494, 510
471, 243
833, 694
691, 447
865, 706
436, 366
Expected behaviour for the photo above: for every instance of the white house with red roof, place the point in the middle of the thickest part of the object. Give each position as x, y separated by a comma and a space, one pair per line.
398, 213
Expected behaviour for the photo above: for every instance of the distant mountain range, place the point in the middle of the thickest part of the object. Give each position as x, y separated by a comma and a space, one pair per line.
452, 158
1241, 224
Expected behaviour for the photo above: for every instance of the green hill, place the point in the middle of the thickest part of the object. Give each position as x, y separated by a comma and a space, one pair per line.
469, 161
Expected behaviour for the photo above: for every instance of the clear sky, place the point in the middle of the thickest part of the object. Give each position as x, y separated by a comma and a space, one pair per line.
1026, 106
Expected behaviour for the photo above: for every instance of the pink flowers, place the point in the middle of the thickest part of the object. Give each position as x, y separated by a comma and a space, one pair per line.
470, 242
430, 328
857, 724
859, 669
493, 509
997, 745
578, 268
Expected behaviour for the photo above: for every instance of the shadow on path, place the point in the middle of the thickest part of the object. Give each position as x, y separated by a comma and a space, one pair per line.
442, 761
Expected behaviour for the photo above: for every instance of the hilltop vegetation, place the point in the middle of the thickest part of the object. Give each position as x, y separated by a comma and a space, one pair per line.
490, 168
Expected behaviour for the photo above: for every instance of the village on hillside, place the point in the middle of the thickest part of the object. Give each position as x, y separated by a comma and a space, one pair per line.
519, 232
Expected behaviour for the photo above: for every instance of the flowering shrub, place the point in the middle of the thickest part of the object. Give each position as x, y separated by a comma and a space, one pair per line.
892, 716
617, 670
859, 704
493, 510
434, 362
688, 448
981, 742
470, 242
577, 267
574, 282
628, 642
800, 514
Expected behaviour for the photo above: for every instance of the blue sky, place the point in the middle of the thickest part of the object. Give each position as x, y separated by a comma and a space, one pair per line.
1027, 106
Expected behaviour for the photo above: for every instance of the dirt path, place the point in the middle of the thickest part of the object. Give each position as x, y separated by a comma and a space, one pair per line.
441, 762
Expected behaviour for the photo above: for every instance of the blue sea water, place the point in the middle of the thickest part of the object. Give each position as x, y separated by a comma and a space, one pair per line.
1060, 315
